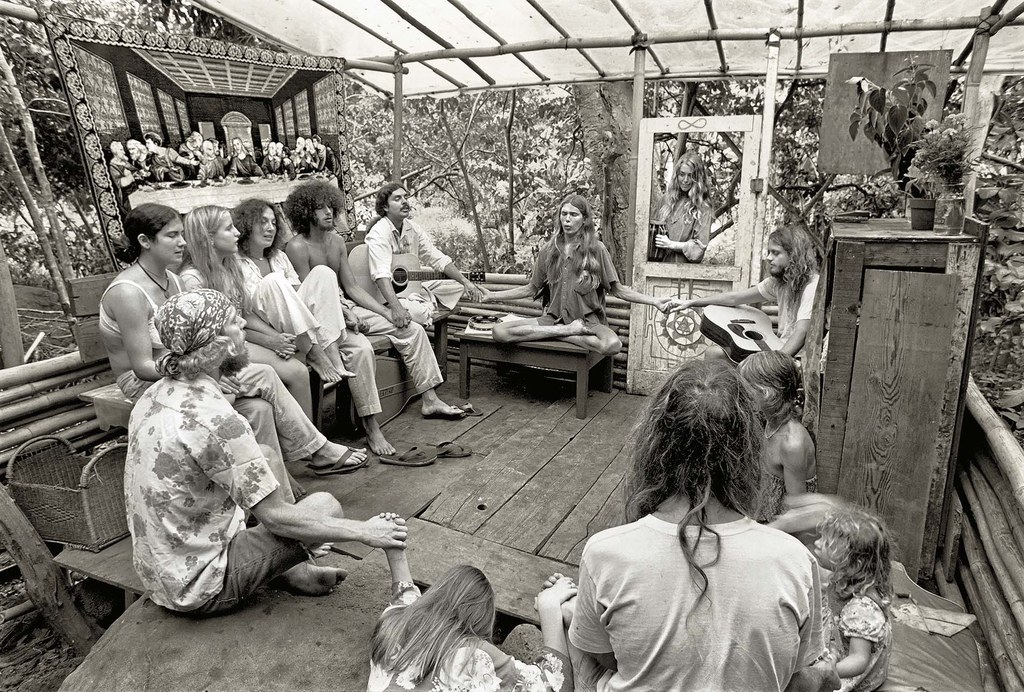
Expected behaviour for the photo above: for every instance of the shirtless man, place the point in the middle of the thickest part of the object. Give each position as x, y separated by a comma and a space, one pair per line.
312, 209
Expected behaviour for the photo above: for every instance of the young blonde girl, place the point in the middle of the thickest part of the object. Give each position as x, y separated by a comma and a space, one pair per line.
441, 640
787, 456
854, 546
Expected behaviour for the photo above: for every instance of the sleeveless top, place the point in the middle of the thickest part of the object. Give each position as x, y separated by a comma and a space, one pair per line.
109, 324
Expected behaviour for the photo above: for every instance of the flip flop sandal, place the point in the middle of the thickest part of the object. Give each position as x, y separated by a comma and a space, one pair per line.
453, 415
340, 467
467, 408
414, 457
348, 452
450, 450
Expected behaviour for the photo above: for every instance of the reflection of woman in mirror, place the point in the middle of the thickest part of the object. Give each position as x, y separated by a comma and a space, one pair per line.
212, 261
210, 165
242, 164
686, 211
304, 316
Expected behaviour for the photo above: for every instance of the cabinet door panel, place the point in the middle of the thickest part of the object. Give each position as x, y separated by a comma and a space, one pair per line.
895, 409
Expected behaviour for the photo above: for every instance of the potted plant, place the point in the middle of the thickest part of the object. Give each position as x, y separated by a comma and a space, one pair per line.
894, 118
942, 160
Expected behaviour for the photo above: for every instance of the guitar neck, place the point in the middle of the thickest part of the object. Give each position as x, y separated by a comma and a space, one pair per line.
417, 275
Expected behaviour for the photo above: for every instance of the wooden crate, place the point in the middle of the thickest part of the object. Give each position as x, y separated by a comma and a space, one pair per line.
900, 308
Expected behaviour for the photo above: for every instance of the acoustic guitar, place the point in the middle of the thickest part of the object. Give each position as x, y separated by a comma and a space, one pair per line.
741, 331
406, 275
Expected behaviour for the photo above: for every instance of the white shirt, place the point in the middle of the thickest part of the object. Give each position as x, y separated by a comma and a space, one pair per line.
384, 240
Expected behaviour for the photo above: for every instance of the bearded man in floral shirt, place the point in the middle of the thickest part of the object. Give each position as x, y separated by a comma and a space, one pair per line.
194, 468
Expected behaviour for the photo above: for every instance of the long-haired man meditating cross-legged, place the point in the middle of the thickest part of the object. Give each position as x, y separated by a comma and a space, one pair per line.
194, 468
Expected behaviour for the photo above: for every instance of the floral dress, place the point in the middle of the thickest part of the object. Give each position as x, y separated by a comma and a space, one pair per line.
859, 617
477, 666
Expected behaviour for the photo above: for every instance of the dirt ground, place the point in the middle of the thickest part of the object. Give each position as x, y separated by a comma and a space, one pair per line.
32, 656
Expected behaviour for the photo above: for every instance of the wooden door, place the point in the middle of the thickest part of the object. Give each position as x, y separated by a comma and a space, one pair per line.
659, 343
896, 400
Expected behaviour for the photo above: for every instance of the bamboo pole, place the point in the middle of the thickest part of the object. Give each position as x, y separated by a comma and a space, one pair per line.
998, 483
1006, 451
30, 372
972, 107
10, 325
44, 582
80, 436
982, 610
46, 426
1004, 556
24, 391
639, 61
34, 404
698, 35
1003, 621
398, 106
948, 588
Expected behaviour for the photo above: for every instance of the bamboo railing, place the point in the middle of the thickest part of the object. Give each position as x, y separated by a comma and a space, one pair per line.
990, 487
42, 399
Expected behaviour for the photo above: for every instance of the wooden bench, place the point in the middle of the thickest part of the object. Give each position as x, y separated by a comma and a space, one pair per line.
113, 408
112, 565
554, 355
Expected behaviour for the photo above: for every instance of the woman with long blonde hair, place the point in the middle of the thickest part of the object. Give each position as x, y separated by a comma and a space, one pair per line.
212, 261
441, 640
572, 276
686, 211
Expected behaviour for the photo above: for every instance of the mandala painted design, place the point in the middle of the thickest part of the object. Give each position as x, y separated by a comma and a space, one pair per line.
109, 207
266, 55
92, 146
74, 85
99, 174
234, 51
84, 116
250, 53
681, 328
176, 42
64, 55
105, 33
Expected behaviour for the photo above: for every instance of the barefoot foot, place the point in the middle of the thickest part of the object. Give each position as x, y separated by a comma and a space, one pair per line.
323, 367
579, 328
375, 438
332, 354
308, 579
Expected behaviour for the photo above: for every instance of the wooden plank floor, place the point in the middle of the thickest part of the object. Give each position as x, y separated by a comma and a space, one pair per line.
539, 483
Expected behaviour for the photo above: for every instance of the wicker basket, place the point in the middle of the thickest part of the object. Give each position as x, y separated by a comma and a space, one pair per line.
69, 498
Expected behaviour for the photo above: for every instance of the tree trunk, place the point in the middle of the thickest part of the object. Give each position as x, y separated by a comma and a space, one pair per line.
606, 112
10, 327
511, 177
45, 191
37, 221
457, 150
44, 582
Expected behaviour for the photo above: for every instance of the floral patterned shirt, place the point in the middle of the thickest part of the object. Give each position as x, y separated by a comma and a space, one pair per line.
477, 666
858, 617
193, 466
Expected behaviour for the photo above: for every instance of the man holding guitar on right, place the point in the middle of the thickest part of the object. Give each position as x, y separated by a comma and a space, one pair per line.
793, 280
395, 233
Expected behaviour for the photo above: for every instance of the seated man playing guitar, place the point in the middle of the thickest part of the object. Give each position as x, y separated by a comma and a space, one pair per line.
395, 234
793, 280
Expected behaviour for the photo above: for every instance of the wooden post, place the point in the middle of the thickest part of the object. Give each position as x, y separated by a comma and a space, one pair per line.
399, 108
639, 62
10, 327
761, 182
44, 582
977, 110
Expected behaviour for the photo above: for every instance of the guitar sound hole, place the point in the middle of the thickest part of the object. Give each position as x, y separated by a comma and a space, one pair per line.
753, 336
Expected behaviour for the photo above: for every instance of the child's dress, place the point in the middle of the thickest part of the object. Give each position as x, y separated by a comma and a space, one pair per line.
476, 667
859, 617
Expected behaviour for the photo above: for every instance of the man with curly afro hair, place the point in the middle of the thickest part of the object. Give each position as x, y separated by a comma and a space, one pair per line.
313, 209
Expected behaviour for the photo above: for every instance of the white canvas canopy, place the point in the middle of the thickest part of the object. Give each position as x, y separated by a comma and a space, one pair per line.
451, 45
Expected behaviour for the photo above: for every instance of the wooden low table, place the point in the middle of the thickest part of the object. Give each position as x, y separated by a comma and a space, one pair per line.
554, 355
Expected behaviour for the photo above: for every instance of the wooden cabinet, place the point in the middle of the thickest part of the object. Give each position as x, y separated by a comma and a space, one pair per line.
899, 307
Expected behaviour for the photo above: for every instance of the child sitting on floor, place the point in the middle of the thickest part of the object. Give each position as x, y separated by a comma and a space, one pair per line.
441, 640
854, 546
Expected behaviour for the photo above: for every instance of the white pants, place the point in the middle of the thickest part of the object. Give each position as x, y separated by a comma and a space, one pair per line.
443, 292
313, 309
